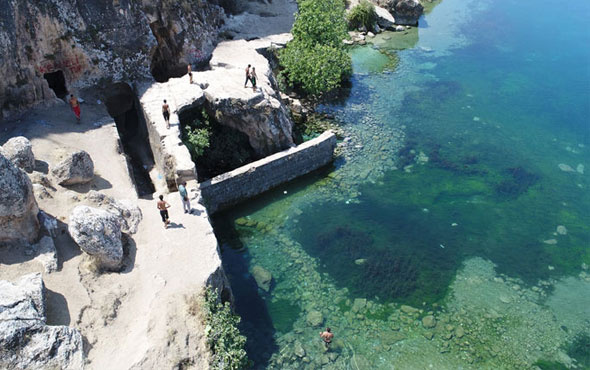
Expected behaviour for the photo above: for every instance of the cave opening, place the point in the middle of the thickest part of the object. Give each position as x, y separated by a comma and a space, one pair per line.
122, 105
57, 82
215, 148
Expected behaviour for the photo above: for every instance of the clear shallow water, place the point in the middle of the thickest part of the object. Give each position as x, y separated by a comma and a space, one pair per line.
469, 144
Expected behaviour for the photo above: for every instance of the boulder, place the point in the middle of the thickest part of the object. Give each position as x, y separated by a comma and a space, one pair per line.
18, 208
46, 254
98, 233
76, 168
405, 12
129, 213
384, 18
20, 151
429, 322
263, 277
314, 318
25, 341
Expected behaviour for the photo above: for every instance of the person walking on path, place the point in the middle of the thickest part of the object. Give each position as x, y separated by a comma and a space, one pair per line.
75, 104
163, 207
190, 73
327, 336
253, 78
247, 75
166, 113
186, 203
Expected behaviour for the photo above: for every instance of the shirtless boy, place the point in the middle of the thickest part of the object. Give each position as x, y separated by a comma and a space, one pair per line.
163, 207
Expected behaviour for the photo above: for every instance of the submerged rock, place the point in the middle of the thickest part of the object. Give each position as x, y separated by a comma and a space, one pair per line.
263, 277
565, 167
314, 318
20, 151
359, 304
98, 233
561, 230
18, 208
429, 322
580, 168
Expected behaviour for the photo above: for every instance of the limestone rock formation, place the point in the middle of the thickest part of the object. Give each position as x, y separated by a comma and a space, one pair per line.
263, 277
47, 255
405, 12
53, 46
384, 18
76, 168
18, 208
98, 233
25, 341
129, 213
261, 115
20, 151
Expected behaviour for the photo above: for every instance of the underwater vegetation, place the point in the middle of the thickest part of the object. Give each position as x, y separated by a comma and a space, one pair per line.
518, 182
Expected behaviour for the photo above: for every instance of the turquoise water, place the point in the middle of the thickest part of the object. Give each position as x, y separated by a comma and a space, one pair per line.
461, 192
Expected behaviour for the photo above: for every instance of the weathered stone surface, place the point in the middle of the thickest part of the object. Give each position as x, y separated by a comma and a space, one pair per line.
359, 304
261, 115
405, 12
130, 214
25, 341
91, 39
47, 255
257, 177
20, 151
18, 208
76, 168
263, 277
98, 233
384, 18
409, 309
314, 318
429, 322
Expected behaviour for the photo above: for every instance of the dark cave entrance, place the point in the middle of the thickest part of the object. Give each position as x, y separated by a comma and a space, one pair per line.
122, 105
57, 83
227, 147
164, 64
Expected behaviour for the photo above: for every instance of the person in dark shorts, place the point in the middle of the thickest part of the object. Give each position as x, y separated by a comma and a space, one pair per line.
163, 207
166, 113
327, 336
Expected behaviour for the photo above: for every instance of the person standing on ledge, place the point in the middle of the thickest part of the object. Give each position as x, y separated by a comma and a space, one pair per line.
75, 104
190, 73
327, 336
166, 113
163, 207
186, 203
247, 75
253, 79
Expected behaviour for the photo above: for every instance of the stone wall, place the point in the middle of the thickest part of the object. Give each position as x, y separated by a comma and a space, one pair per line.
255, 178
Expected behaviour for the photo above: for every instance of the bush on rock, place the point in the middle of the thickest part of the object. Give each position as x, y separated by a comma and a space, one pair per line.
315, 61
362, 15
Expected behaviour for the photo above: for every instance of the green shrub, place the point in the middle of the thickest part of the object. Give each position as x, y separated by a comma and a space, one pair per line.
197, 139
223, 336
362, 15
315, 61
320, 22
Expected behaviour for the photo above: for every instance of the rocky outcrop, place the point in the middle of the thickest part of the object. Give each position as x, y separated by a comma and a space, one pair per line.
76, 168
46, 254
384, 18
72, 44
129, 213
405, 12
25, 341
261, 115
263, 277
98, 233
20, 151
18, 208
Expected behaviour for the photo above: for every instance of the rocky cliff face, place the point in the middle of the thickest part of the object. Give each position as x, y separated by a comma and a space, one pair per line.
50, 47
